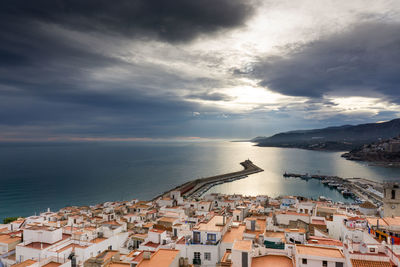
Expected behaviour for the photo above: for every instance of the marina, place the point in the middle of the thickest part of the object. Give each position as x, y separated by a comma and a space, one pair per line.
359, 189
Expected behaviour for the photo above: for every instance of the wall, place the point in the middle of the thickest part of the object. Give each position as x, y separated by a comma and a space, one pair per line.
43, 236
188, 251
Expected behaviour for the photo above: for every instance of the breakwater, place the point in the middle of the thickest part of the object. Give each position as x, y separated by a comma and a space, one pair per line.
193, 188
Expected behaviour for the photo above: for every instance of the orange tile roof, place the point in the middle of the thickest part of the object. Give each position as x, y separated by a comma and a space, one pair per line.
52, 264
319, 251
295, 230
274, 234
324, 241
162, 258
271, 261
226, 259
214, 224
236, 233
318, 222
150, 244
157, 231
24, 263
373, 221
119, 264
7, 239
245, 245
167, 219
365, 263
392, 221
139, 256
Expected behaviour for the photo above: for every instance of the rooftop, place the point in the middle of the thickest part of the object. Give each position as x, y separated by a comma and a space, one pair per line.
245, 245
324, 241
271, 261
52, 264
236, 233
162, 258
318, 222
366, 263
24, 263
7, 239
214, 224
392, 221
319, 251
375, 221
274, 234
167, 219
119, 264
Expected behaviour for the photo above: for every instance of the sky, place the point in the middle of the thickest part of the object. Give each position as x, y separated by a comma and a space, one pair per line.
183, 69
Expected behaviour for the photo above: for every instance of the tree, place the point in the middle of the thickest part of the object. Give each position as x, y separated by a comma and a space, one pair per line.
9, 219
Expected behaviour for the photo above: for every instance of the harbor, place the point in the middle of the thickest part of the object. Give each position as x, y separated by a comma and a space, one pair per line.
198, 187
358, 189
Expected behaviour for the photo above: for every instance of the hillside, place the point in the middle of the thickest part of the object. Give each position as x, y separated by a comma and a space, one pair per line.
346, 137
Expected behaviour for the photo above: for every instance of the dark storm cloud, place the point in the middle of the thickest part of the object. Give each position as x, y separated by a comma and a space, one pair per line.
361, 61
178, 20
52, 50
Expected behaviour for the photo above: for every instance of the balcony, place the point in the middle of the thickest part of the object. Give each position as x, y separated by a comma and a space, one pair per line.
207, 243
196, 261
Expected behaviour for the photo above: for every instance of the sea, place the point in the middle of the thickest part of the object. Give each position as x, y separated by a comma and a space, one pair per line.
38, 176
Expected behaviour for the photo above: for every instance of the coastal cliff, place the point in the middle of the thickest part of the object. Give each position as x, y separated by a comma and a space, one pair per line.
387, 151
364, 141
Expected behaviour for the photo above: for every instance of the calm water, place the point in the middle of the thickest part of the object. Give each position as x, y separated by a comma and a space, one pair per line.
35, 177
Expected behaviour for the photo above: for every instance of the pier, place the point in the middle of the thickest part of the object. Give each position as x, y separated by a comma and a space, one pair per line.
199, 186
360, 189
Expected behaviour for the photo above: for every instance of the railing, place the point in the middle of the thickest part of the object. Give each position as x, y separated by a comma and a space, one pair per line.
207, 243
197, 261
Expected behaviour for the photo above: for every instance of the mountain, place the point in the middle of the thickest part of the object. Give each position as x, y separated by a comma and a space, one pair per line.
345, 137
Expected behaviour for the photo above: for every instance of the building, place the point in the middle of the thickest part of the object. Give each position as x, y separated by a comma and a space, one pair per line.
391, 199
313, 256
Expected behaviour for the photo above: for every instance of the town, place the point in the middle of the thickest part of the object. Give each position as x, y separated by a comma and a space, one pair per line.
213, 230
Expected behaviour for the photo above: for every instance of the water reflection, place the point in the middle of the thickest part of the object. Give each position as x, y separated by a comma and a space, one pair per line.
276, 161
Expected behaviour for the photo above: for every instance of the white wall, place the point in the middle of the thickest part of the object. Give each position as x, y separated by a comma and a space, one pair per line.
44, 236
188, 251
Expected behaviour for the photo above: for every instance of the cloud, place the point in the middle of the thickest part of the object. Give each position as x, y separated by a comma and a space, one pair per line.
210, 96
92, 70
173, 21
360, 61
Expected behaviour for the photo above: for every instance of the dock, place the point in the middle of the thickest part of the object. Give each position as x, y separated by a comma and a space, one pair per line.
197, 187
360, 189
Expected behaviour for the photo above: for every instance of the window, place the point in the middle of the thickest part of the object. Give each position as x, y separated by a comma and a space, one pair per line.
196, 237
339, 264
211, 237
324, 263
196, 256
372, 250
207, 256
393, 194
304, 261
